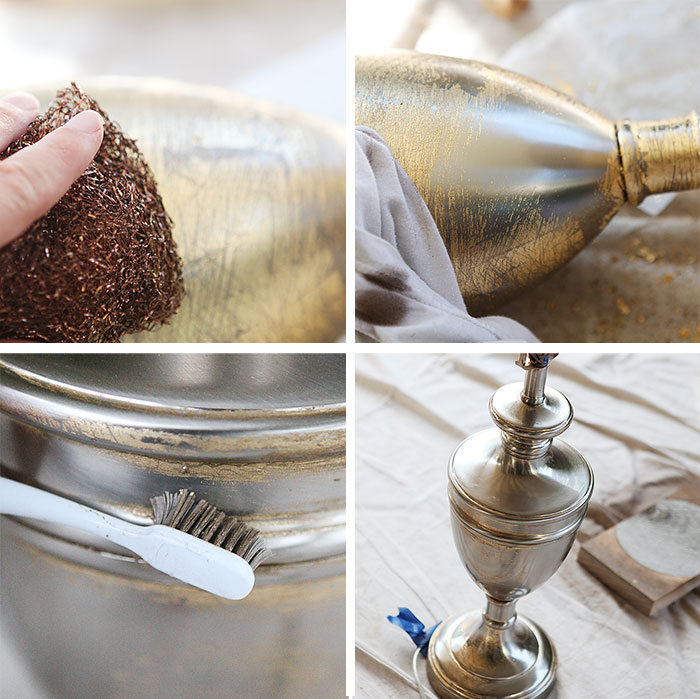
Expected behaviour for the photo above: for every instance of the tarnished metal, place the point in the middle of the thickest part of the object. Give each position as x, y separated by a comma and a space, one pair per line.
519, 177
261, 437
517, 496
257, 195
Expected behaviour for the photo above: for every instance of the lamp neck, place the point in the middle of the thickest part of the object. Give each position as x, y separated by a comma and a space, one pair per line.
659, 156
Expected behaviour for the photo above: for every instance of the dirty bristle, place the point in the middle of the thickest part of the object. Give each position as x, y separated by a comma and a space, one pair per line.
182, 511
102, 262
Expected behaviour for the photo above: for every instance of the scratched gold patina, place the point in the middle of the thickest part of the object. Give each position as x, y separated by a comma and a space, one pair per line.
660, 156
518, 177
278, 446
165, 450
236, 472
281, 468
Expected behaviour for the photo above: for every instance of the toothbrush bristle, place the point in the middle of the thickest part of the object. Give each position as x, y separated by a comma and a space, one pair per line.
182, 511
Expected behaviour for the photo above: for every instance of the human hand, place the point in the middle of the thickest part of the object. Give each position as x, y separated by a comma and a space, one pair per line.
36, 177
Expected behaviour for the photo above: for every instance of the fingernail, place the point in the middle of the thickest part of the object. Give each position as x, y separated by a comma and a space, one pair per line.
23, 100
87, 122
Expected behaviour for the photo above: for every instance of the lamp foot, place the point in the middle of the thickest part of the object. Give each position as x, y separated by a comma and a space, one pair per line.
470, 659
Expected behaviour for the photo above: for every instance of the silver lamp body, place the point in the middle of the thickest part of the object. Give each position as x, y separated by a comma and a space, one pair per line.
517, 497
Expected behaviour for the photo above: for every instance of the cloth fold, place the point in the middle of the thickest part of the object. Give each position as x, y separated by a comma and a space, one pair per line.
406, 289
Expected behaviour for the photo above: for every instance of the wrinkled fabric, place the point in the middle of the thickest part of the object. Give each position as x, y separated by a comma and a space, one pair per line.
406, 289
636, 420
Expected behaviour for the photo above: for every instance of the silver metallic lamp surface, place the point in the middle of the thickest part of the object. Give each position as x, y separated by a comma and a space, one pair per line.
517, 497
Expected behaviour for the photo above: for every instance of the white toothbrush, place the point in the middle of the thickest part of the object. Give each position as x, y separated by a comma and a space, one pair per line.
163, 546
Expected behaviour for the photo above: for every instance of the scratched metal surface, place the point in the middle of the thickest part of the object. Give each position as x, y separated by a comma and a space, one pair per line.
491, 152
257, 194
286, 639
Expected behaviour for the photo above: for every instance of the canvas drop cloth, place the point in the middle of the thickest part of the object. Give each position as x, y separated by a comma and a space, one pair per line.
636, 419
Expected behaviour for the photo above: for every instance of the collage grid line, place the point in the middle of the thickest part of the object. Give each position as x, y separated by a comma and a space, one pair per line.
248, 165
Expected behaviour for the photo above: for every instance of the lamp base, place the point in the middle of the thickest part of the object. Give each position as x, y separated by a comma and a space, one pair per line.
469, 659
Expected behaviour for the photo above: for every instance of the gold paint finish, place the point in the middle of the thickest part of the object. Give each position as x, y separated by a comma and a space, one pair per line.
518, 177
659, 156
257, 194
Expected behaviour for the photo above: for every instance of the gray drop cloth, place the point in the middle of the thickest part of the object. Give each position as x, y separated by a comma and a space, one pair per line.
636, 420
405, 286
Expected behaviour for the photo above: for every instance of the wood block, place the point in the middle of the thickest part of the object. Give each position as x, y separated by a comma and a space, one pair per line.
653, 558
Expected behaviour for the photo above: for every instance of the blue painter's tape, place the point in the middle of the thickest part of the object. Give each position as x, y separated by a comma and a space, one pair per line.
414, 627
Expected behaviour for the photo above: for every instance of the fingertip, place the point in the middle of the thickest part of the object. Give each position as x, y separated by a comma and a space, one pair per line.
88, 121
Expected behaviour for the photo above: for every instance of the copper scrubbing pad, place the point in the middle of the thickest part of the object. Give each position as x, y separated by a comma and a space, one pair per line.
102, 263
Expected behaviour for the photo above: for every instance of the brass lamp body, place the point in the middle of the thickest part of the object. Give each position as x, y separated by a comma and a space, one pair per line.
518, 177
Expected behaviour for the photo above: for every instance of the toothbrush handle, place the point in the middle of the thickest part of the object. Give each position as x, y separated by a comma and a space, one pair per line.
26, 501
171, 551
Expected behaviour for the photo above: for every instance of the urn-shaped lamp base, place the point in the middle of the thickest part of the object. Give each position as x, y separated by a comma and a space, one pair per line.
470, 659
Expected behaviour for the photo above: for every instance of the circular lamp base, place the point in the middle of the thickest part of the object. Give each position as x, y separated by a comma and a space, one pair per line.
469, 660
